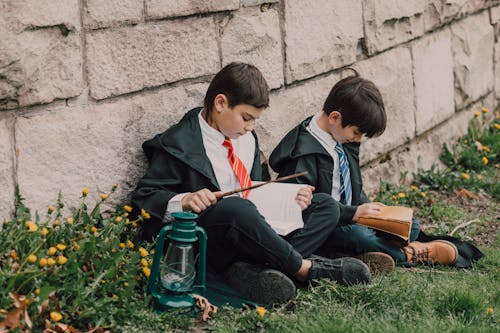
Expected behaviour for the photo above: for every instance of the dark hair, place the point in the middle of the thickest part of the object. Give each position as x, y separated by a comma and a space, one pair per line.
241, 84
360, 103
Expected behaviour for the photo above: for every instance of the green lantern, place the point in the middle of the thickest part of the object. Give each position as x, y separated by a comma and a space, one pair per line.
174, 277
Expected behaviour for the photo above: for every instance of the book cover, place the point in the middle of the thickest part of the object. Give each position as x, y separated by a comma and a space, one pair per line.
395, 220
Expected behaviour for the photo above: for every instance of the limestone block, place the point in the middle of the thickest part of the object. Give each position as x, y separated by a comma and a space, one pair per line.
320, 36
253, 36
497, 70
433, 80
391, 72
439, 12
6, 168
168, 8
288, 107
39, 66
473, 45
249, 3
389, 23
98, 13
132, 58
25, 14
94, 146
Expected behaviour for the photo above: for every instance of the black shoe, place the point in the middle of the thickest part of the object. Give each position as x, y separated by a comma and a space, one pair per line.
259, 284
346, 271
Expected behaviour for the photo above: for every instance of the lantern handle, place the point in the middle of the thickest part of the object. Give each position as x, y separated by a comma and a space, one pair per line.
155, 269
202, 259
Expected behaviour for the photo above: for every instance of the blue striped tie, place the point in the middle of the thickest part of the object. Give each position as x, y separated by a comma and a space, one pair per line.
345, 176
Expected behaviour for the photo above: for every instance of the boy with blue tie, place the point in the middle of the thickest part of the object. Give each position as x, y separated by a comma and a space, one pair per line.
214, 149
327, 145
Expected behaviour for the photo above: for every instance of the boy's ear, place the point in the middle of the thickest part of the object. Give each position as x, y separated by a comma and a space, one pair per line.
334, 117
220, 102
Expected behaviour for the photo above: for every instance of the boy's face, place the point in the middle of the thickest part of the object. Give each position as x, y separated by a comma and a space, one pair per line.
234, 121
343, 134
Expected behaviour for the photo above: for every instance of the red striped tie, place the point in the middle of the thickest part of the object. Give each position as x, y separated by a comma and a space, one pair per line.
238, 167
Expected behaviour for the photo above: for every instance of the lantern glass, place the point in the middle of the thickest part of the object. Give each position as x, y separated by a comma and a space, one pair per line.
178, 270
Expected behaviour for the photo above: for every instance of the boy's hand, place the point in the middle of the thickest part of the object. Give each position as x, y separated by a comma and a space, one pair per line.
198, 201
304, 196
370, 208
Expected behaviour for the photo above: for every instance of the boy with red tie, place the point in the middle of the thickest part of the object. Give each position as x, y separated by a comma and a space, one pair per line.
214, 149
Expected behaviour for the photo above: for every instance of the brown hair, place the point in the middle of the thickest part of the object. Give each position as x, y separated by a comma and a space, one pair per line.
241, 83
360, 103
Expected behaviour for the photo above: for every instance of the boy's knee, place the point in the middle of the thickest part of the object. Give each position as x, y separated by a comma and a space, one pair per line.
241, 212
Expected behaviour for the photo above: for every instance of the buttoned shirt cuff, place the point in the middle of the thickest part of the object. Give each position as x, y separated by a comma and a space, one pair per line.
175, 204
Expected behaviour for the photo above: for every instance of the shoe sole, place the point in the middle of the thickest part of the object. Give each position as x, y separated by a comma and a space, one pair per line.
378, 262
261, 285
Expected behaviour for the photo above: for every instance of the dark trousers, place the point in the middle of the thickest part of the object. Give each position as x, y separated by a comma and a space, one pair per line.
236, 231
356, 239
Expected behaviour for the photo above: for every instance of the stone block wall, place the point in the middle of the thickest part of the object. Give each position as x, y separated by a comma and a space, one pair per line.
84, 82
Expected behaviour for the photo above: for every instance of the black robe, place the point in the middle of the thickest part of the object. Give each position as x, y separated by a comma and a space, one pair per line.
178, 163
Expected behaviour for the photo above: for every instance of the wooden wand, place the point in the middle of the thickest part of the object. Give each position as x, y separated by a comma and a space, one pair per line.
225, 194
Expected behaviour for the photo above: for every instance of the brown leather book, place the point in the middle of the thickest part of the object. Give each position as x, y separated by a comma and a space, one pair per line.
395, 220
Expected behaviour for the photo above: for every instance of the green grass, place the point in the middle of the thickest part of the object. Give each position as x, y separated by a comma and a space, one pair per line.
102, 283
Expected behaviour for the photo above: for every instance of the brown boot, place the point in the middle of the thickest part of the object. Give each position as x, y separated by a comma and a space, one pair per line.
378, 262
435, 252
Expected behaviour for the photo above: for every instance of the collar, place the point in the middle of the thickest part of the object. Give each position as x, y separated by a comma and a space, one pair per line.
208, 132
324, 137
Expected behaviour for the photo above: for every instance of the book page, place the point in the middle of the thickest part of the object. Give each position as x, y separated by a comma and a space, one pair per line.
276, 202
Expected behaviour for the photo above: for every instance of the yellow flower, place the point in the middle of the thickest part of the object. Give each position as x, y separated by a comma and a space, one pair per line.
476, 113
115, 297
414, 188
104, 196
52, 250
485, 160
122, 245
134, 224
486, 149
55, 223
61, 247
113, 250
125, 284
393, 197
44, 232
93, 229
146, 271
37, 291
497, 126
32, 258
76, 246
127, 208
32, 227
42, 262
485, 109
13, 254
61, 260
423, 195
70, 220
130, 245
261, 311
85, 191
489, 310
50, 209
144, 262
401, 195
143, 252
480, 177
145, 214
118, 219
55, 316
51, 262
465, 176
103, 281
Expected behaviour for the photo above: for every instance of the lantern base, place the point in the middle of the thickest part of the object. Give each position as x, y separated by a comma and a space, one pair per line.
170, 302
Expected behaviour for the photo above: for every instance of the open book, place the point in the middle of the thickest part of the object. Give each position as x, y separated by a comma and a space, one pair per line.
395, 220
276, 202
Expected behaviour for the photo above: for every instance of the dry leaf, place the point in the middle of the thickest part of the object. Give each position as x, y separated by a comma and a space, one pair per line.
205, 305
479, 145
466, 194
13, 318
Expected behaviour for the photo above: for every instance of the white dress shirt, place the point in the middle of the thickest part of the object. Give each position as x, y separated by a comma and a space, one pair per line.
327, 141
244, 148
